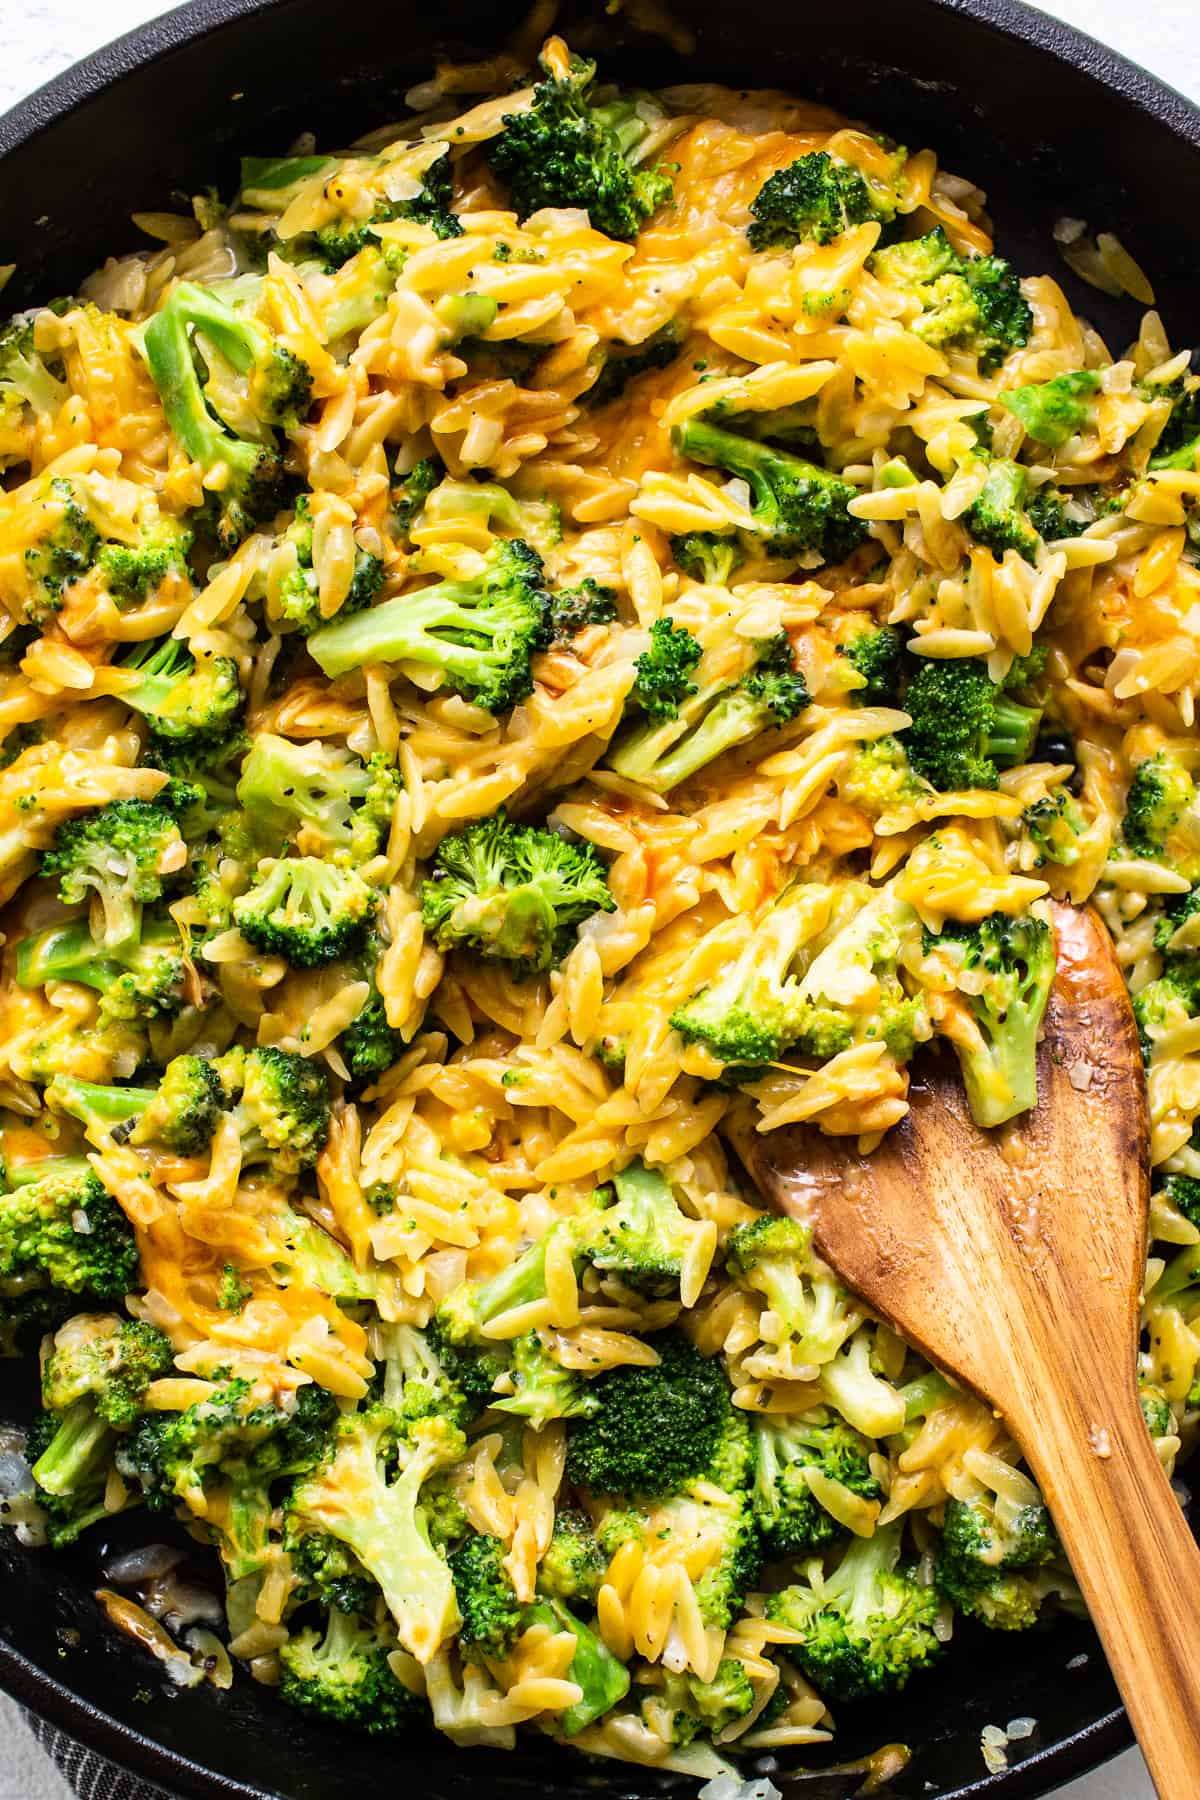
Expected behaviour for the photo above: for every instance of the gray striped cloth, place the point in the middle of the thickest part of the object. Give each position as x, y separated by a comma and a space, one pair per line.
91, 1776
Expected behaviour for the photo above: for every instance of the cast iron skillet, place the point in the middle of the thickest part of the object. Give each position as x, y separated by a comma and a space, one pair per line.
1050, 123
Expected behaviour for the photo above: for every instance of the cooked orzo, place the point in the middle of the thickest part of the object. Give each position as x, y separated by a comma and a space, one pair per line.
574, 625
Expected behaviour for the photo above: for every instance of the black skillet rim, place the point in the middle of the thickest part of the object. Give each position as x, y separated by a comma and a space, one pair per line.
1038, 1775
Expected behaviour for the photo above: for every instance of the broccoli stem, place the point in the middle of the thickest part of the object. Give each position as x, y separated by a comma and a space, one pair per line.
1013, 732
89, 1102
408, 629
466, 1311
797, 505
77, 1455
852, 1386
66, 1168
173, 367
662, 756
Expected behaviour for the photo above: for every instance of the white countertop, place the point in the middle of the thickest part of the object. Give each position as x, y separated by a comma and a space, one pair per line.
40, 37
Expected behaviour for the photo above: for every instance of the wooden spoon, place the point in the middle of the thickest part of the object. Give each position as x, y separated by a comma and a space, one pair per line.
1014, 1260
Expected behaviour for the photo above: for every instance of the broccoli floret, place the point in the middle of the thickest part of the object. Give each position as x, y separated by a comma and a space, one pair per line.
93, 1383
123, 854
1161, 1007
180, 1456
965, 728
1005, 316
985, 1544
70, 1453
866, 1627
656, 1429
573, 609
880, 776
244, 472
182, 1115
706, 557
707, 1707
661, 681
876, 654
1058, 513
790, 1516
644, 1238
64, 551
417, 1382
107, 1362
140, 978
1046, 512
76, 1449
998, 518
326, 1571
222, 1455
1160, 793
189, 706
773, 1256
354, 1497
815, 199
202, 790
603, 1678
1055, 825
542, 1389
481, 633
1183, 1191
62, 1239
27, 378
342, 804
720, 716
798, 507
976, 300
369, 1045
487, 1601
1179, 439
752, 1012
69, 547
512, 893
1055, 411
179, 1116
1156, 1410
573, 1566
308, 911
462, 1317
1011, 964
345, 1677
298, 600
1176, 912
472, 1365
412, 491
281, 1106
308, 1256
571, 149
132, 572
773, 998
232, 1291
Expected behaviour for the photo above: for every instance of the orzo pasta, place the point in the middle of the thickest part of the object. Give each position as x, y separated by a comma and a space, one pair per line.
573, 624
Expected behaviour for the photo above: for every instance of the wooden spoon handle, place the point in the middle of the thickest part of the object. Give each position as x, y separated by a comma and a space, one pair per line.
1137, 1566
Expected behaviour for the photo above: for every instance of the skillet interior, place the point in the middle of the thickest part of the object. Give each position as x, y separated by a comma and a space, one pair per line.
1050, 123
